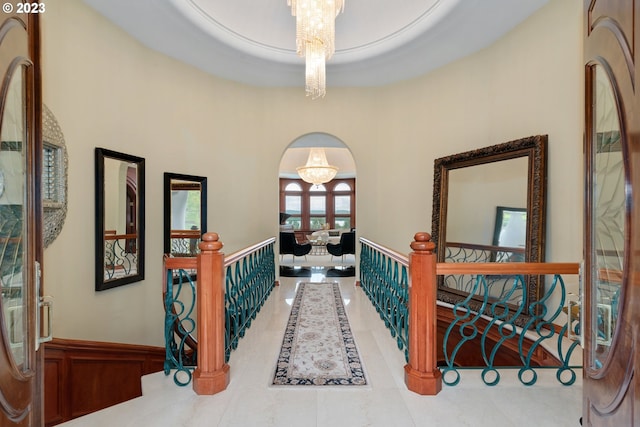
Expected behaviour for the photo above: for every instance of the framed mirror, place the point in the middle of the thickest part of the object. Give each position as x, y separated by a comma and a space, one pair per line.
489, 206
119, 233
185, 213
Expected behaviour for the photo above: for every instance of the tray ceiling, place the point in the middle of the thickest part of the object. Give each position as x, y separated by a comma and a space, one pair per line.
377, 41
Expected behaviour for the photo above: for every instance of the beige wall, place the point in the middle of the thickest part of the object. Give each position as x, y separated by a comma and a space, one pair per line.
109, 91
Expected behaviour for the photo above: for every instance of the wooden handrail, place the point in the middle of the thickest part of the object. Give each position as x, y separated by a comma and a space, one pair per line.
176, 263
185, 234
396, 256
446, 268
491, 248
120, 236
231, 258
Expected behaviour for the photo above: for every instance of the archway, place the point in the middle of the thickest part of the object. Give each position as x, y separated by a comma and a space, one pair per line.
318, 215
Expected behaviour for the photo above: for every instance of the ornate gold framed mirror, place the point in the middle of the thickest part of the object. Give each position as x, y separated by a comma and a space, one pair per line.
469, 190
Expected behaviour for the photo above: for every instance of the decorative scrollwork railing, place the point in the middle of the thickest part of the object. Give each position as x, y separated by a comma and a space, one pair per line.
384, 279
120, 256
498, 331
249, 277
498, 286
184, 243
179, 296
490, 329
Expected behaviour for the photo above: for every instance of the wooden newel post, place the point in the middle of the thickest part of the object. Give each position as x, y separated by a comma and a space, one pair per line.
212, 373
422, 375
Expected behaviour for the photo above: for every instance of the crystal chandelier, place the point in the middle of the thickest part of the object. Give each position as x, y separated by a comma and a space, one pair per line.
315, 38
317, 170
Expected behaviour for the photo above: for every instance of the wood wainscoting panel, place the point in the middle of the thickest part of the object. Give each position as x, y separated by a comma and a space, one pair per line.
85, 376
55, 384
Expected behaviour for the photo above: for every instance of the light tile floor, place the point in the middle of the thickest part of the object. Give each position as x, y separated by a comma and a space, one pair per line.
251, 401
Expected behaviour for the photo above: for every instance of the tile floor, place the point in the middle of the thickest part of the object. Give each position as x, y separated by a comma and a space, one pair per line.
251, 401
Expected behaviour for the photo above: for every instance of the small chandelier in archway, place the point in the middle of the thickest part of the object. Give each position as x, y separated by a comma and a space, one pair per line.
317, 170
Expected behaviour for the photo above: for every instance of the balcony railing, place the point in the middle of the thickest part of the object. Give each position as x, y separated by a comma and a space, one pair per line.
205, 318
404, 289
120, 256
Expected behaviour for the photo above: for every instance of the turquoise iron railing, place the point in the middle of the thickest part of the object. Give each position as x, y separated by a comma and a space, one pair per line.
179, 318
384, 279
498, 286
535, 333
249, 279
497, 331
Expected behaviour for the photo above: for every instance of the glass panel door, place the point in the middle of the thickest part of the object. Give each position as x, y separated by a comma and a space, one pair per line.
13, 206
608, 224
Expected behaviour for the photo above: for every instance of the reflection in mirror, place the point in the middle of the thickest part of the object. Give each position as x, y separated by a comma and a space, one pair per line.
13, 199
608, 213
510, 230
185, 213
119, 219
471, 191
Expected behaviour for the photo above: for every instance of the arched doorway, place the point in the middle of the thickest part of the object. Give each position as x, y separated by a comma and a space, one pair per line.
318, 214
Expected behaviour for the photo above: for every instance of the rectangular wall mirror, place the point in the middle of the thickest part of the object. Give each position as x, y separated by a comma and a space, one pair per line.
119, 233
185, 213
489, 206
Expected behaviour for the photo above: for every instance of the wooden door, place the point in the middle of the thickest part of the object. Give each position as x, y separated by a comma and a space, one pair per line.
612, 234
20, 218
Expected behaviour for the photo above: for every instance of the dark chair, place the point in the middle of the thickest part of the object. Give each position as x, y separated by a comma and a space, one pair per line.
289, 245
347, 245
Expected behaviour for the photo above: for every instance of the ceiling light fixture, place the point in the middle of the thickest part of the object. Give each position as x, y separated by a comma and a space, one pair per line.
315, 38
317, 170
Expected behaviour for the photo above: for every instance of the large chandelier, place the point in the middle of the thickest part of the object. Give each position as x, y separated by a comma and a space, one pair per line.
317, 170
315, 38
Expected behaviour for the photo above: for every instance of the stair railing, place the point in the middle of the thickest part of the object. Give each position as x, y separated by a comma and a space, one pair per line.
404, 292
224, 294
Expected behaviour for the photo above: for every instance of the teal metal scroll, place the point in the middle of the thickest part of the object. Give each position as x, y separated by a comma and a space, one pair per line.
180, 325
248, 283
501, 318
385, 280
249, 279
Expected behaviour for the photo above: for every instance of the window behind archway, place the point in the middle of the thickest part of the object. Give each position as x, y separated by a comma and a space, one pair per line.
311, 206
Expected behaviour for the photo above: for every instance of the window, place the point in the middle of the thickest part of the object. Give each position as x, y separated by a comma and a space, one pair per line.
313, 206
52, 179
293, 204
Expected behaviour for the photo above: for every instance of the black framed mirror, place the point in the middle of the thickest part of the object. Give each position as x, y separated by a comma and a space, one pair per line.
185, 213
120, 228
470, 193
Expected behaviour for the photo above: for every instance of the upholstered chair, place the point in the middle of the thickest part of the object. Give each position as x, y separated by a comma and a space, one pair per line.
347, 245
289, 245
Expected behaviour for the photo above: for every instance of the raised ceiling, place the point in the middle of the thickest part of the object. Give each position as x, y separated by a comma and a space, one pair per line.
377, 41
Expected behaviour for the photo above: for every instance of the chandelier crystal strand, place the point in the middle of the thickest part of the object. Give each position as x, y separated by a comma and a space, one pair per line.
315, 38
315, 74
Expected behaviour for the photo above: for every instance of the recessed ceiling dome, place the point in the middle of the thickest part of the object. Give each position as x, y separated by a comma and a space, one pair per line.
377, 41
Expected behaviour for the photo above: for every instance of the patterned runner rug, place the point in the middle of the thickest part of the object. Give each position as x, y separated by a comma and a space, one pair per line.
318, 347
